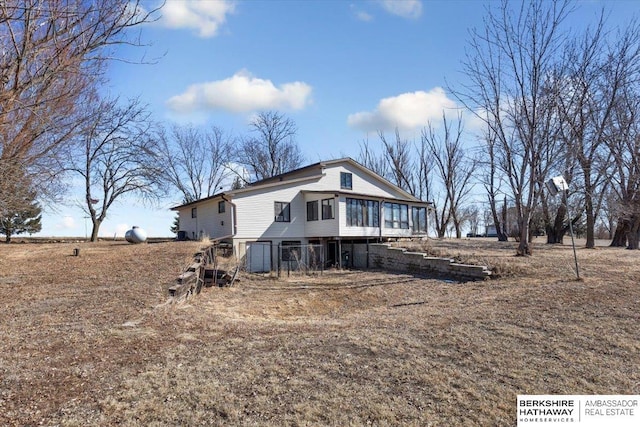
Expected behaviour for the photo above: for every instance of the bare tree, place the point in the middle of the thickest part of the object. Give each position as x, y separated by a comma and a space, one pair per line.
608, 214
395, 162
195, 161
624, 143
508, 65
594, 73
424, 173
453, 169
52, 52
471, 214
491, 183
116, 156
400, 164
273, 150
372, 160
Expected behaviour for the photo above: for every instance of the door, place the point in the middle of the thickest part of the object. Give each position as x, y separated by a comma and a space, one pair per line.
258, 257
332, 253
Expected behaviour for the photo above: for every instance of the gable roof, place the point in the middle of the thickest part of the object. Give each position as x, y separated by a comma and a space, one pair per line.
320, 165
294, 176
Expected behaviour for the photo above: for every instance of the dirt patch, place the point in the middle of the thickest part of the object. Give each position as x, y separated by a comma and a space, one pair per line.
92, 340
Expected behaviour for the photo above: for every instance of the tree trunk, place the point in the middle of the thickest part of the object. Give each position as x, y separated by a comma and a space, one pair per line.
611, 222
500, 225
633, 239
524, 248
620, 235
7, 239
633, 236
591, 221
94, 230
557, 230
555, 236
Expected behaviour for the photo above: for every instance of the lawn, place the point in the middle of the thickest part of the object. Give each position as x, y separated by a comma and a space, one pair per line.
95, 340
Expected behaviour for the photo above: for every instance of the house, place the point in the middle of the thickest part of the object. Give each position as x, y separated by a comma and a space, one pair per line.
491, 231
332, 204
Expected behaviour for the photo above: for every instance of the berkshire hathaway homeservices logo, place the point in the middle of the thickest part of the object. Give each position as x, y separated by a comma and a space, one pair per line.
546, 409
579, 410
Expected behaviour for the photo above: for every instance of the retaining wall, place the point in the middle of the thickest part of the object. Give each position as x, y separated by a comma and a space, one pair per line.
385, 257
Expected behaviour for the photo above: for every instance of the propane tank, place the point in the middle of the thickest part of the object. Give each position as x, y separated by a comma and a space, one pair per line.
135, 235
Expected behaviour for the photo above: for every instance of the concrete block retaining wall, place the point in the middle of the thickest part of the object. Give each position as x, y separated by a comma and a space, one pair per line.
385, 257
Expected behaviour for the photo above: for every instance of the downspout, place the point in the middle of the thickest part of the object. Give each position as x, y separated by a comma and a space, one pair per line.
234, 227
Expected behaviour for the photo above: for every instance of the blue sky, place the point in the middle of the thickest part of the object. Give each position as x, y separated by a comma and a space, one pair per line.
340, 69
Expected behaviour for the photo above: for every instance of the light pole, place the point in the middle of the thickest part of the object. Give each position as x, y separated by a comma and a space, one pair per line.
555, 185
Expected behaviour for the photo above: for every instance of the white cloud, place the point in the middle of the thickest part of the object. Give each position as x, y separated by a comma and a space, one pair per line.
405, 8
205, 17
361, 15
474, 123
66, 223
407, 111
241, 93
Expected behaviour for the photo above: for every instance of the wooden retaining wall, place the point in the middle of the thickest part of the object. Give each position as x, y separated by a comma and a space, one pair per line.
192, 280
203, 271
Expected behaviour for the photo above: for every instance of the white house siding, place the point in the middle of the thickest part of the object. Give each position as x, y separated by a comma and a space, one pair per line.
256, 214
187, 224
362, 183
208, 221
216, 224
321, 227
255, 208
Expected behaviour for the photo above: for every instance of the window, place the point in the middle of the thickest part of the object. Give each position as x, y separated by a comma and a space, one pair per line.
328, 208
312, 210
419, 216
345, 180
363, 213
282, 211
194, 212
396, 215
221, 206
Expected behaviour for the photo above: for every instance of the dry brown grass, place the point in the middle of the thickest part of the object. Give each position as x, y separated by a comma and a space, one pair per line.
91, 340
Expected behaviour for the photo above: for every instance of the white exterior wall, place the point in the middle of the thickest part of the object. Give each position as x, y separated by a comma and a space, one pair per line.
362, 183
255, 214
188, 224
347, 231
208, 222
322, 227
